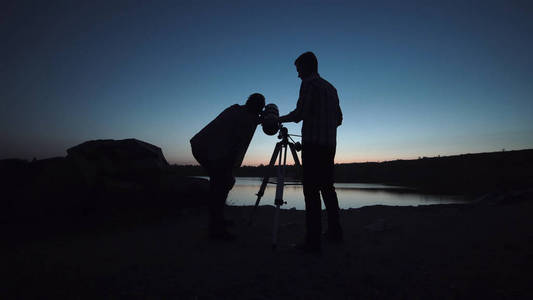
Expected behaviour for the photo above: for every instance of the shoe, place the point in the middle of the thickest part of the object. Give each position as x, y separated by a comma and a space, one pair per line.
334, 236
308, 248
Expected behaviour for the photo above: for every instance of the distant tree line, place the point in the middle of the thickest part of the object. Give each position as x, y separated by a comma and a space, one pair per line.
466, 173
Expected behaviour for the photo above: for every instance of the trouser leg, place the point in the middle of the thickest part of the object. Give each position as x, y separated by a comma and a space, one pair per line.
221, 182
329, 195
312, 214
312, 196
215, 209
332, 207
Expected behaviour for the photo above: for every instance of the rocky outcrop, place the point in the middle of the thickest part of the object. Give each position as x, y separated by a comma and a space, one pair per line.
96, 177
129, 158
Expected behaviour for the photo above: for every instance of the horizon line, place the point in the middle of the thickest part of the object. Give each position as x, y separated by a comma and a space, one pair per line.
384, 161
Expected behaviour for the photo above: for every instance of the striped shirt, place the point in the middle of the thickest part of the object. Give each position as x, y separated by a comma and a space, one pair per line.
318, 107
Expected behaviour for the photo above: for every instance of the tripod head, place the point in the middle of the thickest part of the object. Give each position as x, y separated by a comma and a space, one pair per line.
284, 136
283, 133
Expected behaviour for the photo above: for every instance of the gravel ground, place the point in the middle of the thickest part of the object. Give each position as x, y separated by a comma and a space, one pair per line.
439, 251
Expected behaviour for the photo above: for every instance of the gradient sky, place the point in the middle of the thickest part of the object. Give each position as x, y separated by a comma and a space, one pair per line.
414, 78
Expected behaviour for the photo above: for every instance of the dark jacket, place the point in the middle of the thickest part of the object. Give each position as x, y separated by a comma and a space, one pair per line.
223, 142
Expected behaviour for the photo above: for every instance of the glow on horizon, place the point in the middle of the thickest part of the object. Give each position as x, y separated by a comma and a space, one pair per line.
361, 159
263, 158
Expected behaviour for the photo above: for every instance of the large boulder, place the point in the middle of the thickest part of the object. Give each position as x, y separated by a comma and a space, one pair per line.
98, 180
127, 159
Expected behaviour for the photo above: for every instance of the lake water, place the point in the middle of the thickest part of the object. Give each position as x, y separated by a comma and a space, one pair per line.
351, 195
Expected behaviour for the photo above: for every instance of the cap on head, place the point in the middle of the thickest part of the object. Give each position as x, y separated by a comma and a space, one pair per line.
307, 63
255, 102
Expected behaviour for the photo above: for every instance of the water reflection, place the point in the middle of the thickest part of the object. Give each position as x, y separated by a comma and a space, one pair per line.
351, 195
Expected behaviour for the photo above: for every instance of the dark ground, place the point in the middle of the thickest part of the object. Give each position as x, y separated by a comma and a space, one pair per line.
469, 251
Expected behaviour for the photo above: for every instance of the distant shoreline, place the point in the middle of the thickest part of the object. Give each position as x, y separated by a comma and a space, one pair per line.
467, 174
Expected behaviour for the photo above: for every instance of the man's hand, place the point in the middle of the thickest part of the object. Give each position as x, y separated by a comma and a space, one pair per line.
283, 119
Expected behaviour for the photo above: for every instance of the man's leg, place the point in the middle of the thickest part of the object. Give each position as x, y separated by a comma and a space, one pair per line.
221, 182
311, 173
215, 210
214, 213
327, 158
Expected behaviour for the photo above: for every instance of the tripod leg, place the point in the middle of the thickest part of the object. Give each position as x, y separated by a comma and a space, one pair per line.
279, 196
275, 229
264, 183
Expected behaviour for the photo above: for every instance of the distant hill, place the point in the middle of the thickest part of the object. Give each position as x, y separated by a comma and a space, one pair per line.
466, 173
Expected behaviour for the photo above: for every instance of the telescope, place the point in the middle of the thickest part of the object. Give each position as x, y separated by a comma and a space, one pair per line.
270, 119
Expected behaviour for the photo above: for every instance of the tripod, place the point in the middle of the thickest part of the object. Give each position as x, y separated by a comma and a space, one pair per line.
280, 155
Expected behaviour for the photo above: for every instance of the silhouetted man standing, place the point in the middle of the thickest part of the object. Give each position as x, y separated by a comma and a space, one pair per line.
220, 148
318, 107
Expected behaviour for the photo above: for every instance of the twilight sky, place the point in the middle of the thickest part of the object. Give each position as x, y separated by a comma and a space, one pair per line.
414, 79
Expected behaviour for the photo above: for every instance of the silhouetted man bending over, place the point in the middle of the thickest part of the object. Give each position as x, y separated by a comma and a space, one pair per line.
220, 148
318, 107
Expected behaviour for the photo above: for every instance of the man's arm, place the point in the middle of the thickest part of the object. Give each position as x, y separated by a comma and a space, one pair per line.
298, 113
339, 111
